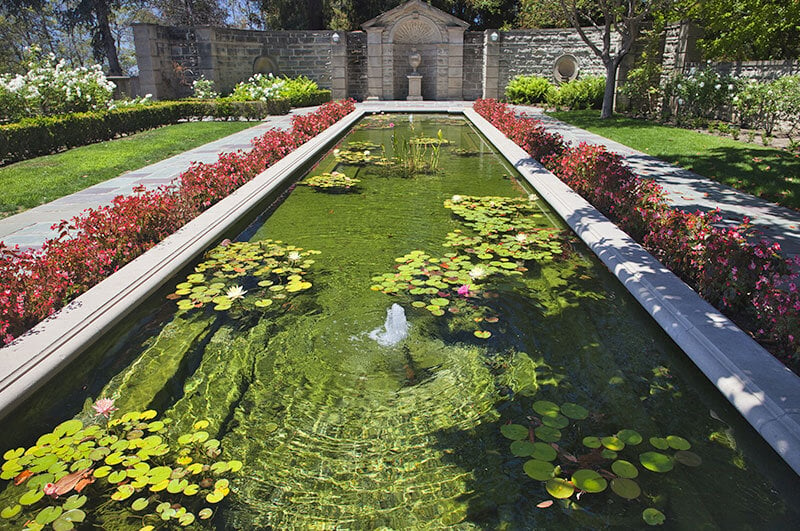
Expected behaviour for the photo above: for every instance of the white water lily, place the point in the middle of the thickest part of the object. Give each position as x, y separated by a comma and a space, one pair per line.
235, 292
293, 256
521, 237
478, 272
456, 199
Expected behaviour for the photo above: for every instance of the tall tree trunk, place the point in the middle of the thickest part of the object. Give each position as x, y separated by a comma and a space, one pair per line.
611, 85
106, 38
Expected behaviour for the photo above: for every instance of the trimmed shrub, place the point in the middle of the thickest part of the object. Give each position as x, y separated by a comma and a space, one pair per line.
526, 90
33, 137
584, 93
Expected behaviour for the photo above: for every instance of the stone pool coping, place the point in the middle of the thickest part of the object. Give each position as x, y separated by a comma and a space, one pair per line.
765, 392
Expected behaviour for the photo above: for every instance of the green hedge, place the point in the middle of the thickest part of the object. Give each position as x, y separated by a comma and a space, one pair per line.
39, 136
310, 99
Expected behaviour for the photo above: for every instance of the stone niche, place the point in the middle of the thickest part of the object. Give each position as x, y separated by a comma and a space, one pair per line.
415, 27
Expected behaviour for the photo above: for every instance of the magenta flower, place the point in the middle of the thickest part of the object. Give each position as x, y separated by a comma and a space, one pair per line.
104, 406
464, 290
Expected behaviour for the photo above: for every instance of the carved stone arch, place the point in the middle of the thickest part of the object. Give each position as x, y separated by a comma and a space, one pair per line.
415, 29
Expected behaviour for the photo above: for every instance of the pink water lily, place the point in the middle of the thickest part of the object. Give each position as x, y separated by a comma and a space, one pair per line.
464, 290
104, 406
50, 490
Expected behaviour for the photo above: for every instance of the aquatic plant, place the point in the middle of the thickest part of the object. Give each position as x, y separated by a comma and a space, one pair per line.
353, 157
417, 155
569, 462
333, 182
118, 471
270, 270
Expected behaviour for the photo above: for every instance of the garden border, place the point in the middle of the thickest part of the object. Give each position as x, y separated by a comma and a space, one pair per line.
30, 361
765, 392
761, 388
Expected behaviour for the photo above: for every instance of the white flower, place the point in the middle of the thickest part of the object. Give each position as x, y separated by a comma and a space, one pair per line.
532, 197
478, 272
456, 199
366, 153
235, 292
717, 86
293, 256
336, 152
521, 237
702, 84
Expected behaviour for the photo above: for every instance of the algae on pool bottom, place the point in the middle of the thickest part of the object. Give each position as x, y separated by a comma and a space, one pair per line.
335, 430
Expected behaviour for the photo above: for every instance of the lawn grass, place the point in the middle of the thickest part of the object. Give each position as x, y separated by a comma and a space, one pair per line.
765, 172
33, 182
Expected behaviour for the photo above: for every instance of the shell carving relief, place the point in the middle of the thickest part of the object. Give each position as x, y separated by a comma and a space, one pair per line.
416, 31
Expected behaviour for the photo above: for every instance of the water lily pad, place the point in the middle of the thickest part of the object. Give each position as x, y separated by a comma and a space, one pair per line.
547, 434
608, 454
214, 497
539, 470
48, 515
555, 421
543, 452
574, 411
559, 488
589, 481
31, 497
522, 448
482, 334
613, 443
625, 488
545, 407
123, 492
631, 437
688, 458
514, 432
678, 443
11, 511
68, 428
75, 501
205, 514
659, 443
653, 516
655, 461
592, 442
440, 301
140, 504
624, 469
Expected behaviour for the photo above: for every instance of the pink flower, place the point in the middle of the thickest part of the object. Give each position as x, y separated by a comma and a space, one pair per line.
50, 490
104, 406
464, 290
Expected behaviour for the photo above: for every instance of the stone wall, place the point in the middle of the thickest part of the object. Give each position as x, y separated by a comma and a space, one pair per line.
534, 52
473, 65
357, 65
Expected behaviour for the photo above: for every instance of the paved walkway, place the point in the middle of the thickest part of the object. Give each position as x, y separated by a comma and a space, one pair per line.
691, 192
686, 190
32, 227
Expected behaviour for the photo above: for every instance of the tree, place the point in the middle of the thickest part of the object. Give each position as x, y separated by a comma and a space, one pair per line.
96, 15
748, 30
623, 17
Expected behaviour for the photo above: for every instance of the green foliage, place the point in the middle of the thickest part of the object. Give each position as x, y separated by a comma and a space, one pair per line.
299, 91
576, 463
748, 30
642, 89
584, 93
245, 276
39, 136
502, 238
333, 182
203, 89
123, 470
529, 89
763, 104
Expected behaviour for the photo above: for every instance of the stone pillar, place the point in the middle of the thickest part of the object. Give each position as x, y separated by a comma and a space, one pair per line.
388, 70
144, 40
339, 66
455, 63
374, 63
491, 64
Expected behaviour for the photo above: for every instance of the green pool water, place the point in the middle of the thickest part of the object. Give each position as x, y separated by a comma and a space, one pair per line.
338, 432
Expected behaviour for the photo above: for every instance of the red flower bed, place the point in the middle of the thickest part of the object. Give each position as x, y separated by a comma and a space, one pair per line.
100, 241
745, 278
